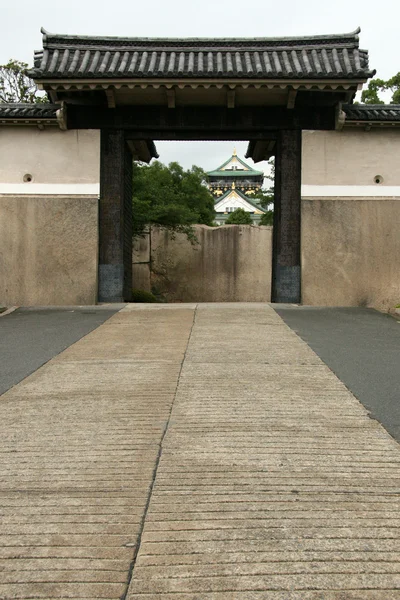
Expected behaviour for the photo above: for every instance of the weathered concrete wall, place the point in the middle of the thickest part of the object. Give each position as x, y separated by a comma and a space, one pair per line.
350, 252
229, 264
48, 250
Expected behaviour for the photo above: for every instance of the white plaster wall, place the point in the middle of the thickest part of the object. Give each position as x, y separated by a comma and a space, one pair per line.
350, 226
351, 157
51, 156
48, 227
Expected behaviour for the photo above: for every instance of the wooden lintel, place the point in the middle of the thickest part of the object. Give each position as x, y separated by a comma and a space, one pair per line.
53, 96
230, 98
110, 93
171, 97
291, 99
155, 122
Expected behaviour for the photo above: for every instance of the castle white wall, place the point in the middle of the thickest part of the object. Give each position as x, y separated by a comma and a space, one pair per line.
58, 162
350, 225
49, 225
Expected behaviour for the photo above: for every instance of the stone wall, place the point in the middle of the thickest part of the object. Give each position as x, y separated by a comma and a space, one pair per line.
48, 250
228, 264
49, 186
351, 252
350, 218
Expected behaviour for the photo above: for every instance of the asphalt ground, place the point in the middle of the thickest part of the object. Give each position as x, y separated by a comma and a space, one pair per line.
362, 347
30, 337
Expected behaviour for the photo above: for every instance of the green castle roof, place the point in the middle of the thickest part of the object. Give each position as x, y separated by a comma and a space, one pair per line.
248, 170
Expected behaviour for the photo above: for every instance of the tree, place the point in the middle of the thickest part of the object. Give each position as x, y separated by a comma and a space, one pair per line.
371, 94
267, 218
239, 217
16, 86
265, 197
393, 84
170, 197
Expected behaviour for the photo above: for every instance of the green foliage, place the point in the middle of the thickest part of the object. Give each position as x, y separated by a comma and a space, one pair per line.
267, 218
16, 86
393, 84
143, 296
263, 197
239, 217
170, 197
371, 94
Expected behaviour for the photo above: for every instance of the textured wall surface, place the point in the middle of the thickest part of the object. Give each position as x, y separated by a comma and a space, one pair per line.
229, 264
50, 156
351, 157
350, 252
48, 250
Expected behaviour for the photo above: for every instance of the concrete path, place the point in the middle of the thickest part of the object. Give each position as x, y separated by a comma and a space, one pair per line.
29, 337
185, 453
362, 347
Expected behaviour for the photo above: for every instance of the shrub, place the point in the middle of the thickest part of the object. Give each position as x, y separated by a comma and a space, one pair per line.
143, 296
267, 218
239, 217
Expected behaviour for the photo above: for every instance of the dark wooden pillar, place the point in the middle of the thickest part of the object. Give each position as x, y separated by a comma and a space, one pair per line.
286, 273
115, 218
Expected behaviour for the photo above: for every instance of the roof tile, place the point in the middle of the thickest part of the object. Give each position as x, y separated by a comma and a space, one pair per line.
334, 56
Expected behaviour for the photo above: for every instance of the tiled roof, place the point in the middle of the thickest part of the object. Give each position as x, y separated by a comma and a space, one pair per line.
28, 111
237, 173
318, 57
372, 112
247, 171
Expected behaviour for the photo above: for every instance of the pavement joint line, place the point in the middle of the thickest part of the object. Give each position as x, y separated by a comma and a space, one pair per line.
150, 492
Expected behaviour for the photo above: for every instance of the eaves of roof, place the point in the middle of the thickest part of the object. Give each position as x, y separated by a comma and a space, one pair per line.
249, 170
28, 112
372, 113
315, 57
237, 173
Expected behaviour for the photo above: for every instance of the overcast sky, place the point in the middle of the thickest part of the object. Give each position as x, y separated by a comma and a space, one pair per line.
20, 24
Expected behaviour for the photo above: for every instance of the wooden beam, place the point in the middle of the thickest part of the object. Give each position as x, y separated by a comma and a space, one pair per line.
291, 99
259, 150
230, 98
171, 98
110, 93
156, 122
115, 218
286, 271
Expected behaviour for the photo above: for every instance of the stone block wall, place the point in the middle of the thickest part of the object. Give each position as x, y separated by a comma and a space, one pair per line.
350, 218
228, 264
351, 252
48, 250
